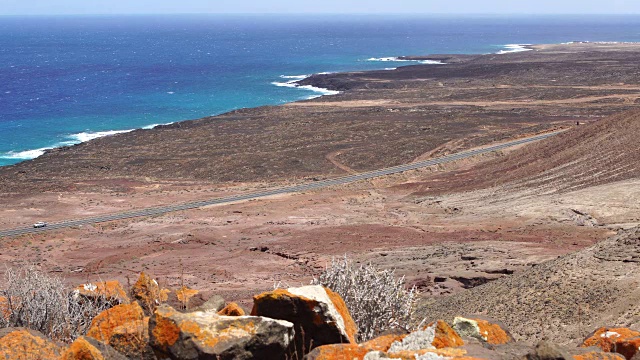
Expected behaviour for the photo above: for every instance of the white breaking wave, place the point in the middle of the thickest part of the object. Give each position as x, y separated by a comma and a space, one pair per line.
73, 140
24, 155
294, 85
397, 59
513, 48
86, 136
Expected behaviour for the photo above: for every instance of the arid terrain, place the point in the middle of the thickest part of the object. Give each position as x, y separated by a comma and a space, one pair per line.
470, 234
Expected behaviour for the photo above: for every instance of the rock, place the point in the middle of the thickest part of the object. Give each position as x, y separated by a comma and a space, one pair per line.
85, 348
436, 335
319, 315
597, 356
185, 294
426, 354
353, 351
109, 291
25, 344
548, 351
445, 336
482, 330
215, 304
207, 335
103, 325
620, 340
338, 352
148, 293
132, 340
232, 309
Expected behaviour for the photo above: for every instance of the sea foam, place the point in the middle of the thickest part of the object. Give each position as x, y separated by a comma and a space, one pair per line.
293, 83
397, 59
514, 48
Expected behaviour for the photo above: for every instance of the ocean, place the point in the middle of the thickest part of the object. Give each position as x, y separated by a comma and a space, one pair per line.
69, 79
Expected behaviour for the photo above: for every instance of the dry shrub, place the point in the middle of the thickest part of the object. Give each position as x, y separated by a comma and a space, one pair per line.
376, 299
38, 301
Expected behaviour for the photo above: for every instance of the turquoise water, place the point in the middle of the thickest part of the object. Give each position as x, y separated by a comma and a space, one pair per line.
64, 80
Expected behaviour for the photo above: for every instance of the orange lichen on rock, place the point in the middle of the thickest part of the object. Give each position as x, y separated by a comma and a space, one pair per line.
23, 344
81, 349
412, 354
131, 338
165, 332
382, 343
445, 336
147, 291
608, 338
628, 348
481, 330
350, 325
185, 294
232, 309
598, 356
103, 325
110, 290
338, 352
493, 333
5, 311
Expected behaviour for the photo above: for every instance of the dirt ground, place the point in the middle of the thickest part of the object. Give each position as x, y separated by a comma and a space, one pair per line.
442, 244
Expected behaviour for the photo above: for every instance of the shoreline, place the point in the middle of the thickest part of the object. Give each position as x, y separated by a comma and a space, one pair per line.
293, 81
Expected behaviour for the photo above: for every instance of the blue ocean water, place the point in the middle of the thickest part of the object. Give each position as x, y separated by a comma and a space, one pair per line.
67, 79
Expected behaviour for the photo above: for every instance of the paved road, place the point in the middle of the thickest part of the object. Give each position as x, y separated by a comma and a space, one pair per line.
283, 190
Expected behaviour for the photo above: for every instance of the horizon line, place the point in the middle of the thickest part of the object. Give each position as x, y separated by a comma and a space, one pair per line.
328, 13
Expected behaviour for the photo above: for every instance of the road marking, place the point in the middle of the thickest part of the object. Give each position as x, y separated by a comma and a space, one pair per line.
157, 210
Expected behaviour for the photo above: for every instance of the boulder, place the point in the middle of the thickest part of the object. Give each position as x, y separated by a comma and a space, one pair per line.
353, 351
21, 343
132, 340
548, 351
620, 340
445, 336
436, 335
215, 304
423, 354
596, 355
232, 309
482, 330
319, 315
104, 324
207, 335
85, 348
148, 293
109, 291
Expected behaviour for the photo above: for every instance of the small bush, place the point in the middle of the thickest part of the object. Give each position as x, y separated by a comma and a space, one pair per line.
376, 300
35, 300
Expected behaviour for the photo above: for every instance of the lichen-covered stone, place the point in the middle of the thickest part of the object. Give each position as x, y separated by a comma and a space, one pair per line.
207, 335
215, 304
232, 309
132, 340
598, 356
25, 344
85, 348
320, 316
110, 291
621, 340
147, 291
445, 336
482, 330
103, 325
353, 351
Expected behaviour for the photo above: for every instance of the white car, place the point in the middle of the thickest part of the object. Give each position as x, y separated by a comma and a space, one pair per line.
40, 224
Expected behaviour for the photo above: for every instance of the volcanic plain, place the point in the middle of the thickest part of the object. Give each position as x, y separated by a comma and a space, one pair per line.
450, 229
